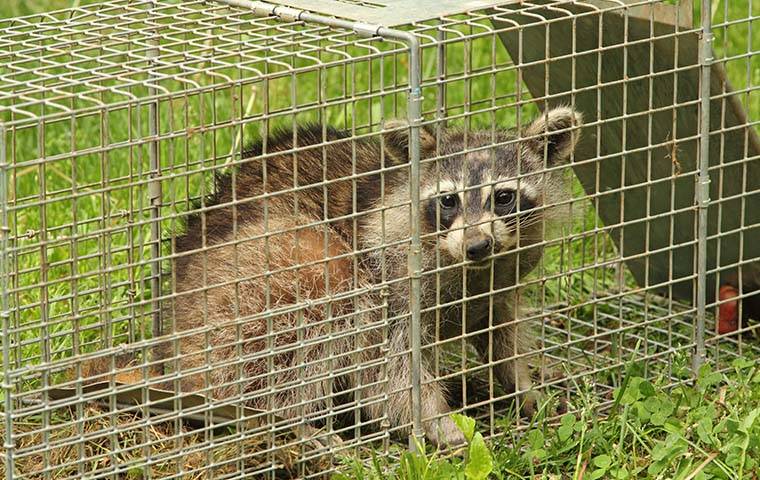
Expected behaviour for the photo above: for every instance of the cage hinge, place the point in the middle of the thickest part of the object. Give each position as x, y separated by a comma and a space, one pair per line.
704, 192
287, 14
154, 191
261, 9
415, 96
366, 29
415, 270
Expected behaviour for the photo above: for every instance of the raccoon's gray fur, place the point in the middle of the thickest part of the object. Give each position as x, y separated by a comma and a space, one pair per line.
241, 259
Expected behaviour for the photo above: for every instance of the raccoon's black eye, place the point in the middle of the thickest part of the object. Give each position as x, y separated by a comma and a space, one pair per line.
449, 201
505, 197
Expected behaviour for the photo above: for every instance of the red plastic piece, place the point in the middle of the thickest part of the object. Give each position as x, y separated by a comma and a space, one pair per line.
728, 312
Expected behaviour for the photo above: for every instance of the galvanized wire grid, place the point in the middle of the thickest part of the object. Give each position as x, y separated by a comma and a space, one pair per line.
116, 116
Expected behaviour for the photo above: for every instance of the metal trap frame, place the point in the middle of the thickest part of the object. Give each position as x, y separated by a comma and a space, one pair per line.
114, 117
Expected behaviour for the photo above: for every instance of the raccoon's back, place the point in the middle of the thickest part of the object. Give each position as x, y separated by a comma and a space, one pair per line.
316, 179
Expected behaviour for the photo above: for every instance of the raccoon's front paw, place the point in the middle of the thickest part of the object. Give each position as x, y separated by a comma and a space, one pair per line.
530, 402
443, 433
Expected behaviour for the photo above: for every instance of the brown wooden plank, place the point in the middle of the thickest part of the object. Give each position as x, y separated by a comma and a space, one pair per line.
649, 161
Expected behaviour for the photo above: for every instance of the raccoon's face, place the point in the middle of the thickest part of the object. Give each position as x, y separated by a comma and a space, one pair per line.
477, 199
477, 216
477, 204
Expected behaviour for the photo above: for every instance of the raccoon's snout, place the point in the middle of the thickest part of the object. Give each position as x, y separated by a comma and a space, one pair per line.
478, 248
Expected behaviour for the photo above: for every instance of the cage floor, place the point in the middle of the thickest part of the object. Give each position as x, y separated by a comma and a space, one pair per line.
589, 347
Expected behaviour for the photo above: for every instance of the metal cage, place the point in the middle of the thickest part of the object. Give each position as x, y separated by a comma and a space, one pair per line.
115, 118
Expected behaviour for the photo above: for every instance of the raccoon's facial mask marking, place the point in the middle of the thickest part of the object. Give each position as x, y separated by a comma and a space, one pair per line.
443, 210
504, 202
511, 205
473, 226
509, 212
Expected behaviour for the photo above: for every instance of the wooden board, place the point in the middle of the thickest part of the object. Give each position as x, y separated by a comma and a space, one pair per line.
637, 84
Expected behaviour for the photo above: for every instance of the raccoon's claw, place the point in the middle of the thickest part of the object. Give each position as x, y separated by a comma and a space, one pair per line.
444, 433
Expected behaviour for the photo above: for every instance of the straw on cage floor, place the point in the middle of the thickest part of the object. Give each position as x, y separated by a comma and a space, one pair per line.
130, 446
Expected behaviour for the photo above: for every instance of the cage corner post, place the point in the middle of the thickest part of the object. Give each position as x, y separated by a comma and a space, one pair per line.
702, 192
154, 192
5, 314
414, 117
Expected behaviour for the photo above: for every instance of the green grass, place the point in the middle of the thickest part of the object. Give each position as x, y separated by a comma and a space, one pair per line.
709, 430
104, 304
17, 8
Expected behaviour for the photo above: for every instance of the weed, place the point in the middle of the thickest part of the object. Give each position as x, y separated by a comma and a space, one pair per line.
706, 430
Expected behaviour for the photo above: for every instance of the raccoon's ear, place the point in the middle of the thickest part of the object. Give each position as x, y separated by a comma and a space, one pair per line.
556, 133
396, 141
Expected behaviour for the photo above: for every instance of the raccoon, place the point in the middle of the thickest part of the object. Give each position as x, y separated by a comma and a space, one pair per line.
263, 306
482, 232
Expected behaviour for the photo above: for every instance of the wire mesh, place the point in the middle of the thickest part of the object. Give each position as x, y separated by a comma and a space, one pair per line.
208, 212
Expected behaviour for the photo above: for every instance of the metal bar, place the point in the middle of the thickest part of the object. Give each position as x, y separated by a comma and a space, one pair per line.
154, 194
441, 68
5, 314
414, 114
702, 192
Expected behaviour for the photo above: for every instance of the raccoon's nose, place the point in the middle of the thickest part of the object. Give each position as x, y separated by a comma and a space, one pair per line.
479, 249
